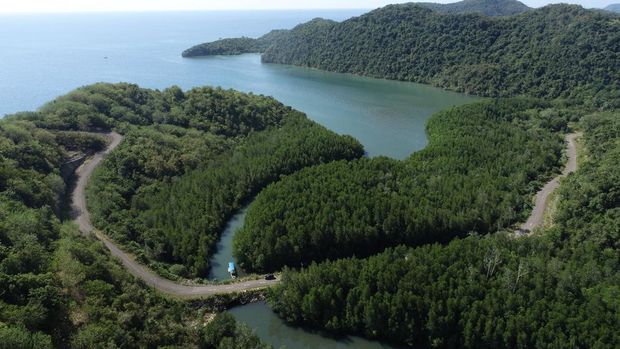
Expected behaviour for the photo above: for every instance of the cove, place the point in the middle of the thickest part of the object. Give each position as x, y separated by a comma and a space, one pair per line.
388, 118
46, 56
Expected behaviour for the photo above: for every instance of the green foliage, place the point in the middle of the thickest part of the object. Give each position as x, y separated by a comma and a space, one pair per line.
486, 7
59, 289
80, 142
235, 46
554, 51
30, 161
590, 201
19, 338
223, 332
108, 308
559, 290
190, 161
478, 173
183, 226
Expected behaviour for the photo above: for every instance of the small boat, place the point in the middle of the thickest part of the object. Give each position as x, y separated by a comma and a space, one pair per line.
231, 270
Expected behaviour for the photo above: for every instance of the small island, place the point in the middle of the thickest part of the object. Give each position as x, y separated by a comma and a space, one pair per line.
234, 46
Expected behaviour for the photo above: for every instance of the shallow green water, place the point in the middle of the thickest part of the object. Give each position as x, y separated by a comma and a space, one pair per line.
269, 327
388, 117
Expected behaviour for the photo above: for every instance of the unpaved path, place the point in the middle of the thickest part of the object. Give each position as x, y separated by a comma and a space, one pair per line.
149, 277
542, 197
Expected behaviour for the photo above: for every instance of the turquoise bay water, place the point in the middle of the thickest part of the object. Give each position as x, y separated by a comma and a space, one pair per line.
44, 56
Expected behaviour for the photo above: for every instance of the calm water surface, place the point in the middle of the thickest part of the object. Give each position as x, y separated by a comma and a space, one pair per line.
43, 56
268, 325
219, 261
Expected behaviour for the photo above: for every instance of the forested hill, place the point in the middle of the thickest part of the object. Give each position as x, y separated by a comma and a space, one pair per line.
486, 7
60, 289
188, 161
483, 163
553, 51
236, 46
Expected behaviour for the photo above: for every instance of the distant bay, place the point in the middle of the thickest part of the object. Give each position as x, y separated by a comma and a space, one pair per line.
44, 56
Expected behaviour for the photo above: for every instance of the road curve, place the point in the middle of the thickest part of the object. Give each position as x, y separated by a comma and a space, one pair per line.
535, 219
136, 269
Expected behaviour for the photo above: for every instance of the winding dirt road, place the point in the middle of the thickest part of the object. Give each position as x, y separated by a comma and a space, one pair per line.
169, 287
542, 197
149, 277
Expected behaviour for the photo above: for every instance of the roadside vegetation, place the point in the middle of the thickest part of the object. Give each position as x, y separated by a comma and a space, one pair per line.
399, 251
189, 160
60, 289
556, 290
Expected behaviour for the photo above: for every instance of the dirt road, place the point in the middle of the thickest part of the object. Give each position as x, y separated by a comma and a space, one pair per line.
149, 277
542, 197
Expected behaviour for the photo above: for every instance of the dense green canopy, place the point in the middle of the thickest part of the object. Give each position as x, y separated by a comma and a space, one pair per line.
188, 162
57, 288
558, 290
478, 173
554, 51
486, 7
235, 46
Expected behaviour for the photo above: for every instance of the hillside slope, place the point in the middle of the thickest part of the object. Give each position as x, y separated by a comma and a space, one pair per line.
554, 51
557, 290
236, 46
59, 289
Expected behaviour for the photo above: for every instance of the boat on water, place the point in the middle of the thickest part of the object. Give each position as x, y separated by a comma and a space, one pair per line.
231, 270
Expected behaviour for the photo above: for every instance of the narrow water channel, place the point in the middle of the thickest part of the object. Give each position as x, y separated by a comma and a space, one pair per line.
219, 261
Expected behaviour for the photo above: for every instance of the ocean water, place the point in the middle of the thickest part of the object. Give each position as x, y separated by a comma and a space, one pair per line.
44, 56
